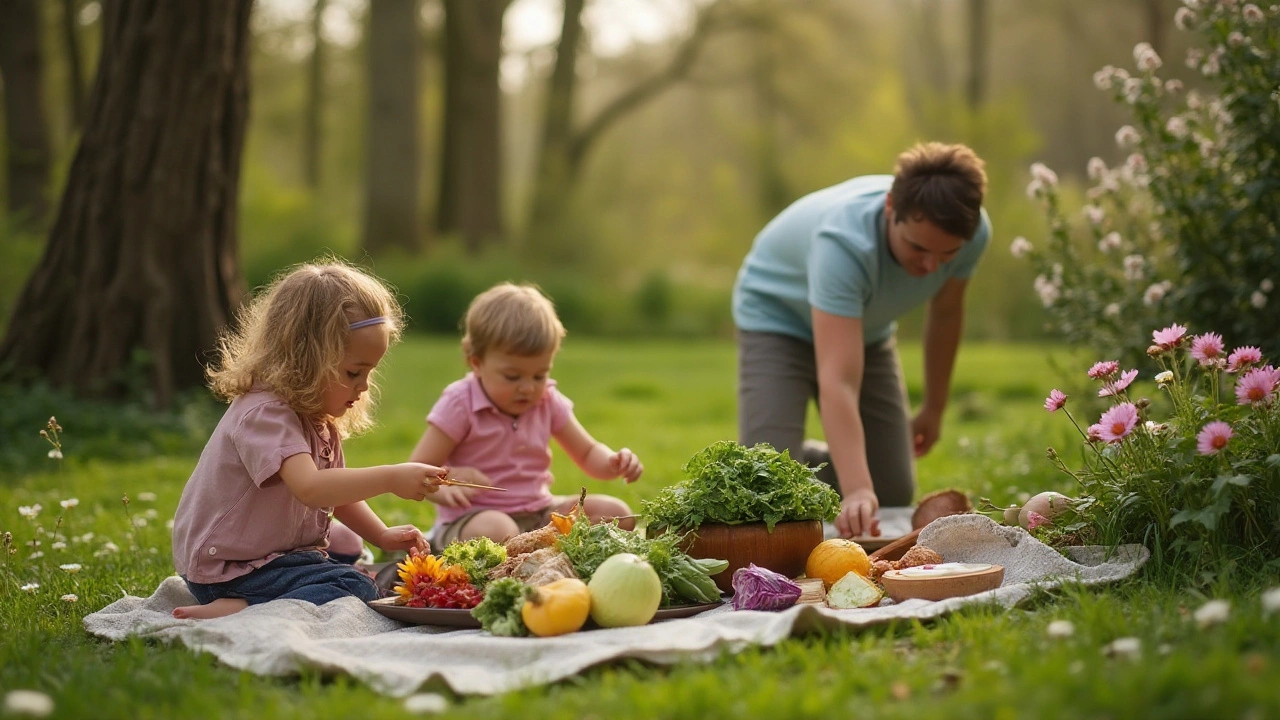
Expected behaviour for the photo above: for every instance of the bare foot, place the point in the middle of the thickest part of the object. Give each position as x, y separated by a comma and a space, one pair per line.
218, 608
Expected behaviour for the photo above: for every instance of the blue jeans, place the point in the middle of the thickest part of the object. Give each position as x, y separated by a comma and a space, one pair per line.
310, 575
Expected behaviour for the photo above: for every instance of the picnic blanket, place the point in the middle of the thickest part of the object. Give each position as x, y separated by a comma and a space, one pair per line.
283, 637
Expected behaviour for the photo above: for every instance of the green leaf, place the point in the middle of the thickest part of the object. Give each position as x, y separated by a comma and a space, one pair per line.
1224, 480
730, 483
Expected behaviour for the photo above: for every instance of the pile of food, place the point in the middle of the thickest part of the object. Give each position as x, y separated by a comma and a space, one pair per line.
838, 574
549, 581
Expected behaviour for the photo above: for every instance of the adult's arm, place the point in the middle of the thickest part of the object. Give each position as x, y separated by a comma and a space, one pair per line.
840, 357
944, 324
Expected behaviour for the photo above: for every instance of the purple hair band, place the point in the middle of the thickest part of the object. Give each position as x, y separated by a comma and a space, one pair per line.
367, 322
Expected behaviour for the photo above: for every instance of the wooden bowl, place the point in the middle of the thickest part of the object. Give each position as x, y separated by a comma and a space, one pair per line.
784, 550
902, 586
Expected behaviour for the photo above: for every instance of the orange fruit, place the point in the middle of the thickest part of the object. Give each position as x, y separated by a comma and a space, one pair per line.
835, 558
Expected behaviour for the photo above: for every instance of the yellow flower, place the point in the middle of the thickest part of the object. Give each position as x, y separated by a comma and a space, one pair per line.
418, 570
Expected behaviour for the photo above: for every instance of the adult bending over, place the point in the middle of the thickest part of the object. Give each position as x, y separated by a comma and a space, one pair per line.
816, 304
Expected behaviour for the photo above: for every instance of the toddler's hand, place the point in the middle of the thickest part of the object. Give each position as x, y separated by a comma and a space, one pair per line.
414, 481
454, 497
626, 465
403, 537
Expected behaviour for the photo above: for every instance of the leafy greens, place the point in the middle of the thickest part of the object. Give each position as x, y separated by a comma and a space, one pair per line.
499, 612
476, 556
733, 484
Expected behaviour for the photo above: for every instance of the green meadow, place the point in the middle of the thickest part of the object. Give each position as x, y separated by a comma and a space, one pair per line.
665, 400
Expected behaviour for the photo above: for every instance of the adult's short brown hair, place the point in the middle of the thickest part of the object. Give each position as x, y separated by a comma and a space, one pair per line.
941, 183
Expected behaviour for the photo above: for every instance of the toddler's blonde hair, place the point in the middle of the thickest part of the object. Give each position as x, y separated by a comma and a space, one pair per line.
291, 338
515, 319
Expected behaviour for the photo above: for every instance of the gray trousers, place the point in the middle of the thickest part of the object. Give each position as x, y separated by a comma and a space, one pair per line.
777, 376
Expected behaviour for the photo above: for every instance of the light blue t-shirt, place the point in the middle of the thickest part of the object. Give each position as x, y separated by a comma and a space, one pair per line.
828, 250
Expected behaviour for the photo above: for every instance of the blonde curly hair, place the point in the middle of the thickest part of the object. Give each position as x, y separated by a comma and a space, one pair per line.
515, 319
291, 338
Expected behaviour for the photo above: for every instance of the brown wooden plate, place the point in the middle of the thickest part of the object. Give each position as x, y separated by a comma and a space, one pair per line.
902, 586
453, 617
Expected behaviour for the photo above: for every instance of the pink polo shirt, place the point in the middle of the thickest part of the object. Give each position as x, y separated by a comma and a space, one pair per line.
514, 452
236, 514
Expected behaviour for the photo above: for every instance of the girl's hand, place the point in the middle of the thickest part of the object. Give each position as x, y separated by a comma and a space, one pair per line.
626, 465
402, 537
414, 481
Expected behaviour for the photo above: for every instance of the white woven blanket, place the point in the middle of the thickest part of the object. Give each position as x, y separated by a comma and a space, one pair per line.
285, 636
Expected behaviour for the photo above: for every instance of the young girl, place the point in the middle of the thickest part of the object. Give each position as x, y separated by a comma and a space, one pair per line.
253, 522
493, 427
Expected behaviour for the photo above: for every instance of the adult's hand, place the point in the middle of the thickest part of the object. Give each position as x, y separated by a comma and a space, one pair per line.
859, 514
926, 427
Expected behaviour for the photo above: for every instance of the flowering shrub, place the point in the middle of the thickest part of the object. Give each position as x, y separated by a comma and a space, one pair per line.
1188, 225
1205, 478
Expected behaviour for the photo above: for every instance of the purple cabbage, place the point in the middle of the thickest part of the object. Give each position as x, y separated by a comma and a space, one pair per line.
757, 588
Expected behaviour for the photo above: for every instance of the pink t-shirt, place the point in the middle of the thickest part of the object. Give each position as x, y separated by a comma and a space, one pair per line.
514, 452
236, 514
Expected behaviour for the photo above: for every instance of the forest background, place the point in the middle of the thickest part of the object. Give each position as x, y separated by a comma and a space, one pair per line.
630, 178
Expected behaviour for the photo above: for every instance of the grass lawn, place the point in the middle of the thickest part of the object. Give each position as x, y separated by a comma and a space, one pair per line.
665, 400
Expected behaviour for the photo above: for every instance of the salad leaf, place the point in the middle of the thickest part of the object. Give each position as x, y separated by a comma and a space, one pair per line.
683, 578
499, 612
732, 484
476, 556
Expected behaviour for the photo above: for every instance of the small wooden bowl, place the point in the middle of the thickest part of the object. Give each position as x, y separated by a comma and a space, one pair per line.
905, 587
784, 550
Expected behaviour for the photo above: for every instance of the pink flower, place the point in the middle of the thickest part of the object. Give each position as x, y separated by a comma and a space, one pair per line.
1213, 438
1169, 337
1095, 432
1243, 357
1257, 385
1117, 422
1207, 347
1055, 400
1035, 520
1114, 388
1103, 369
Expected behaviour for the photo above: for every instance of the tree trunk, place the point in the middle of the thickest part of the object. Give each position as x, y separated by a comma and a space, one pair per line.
315, 99
773, 192
470, 168
26, 127
564, 157
75, 76
141, 269
552, 182
391, 201
976, 89
1155, 17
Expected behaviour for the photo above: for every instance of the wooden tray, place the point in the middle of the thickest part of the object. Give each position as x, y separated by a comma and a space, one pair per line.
452, 617
905, 587
897, 548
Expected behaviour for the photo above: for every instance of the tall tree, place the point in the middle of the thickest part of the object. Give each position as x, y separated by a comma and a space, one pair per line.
1157, 25
75, 74
391, 188
565, 143
976, 87
470, 201
311, 142
26, 128
141, 269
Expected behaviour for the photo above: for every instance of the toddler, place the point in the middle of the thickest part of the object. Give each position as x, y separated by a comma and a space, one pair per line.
253, 523
494, 426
